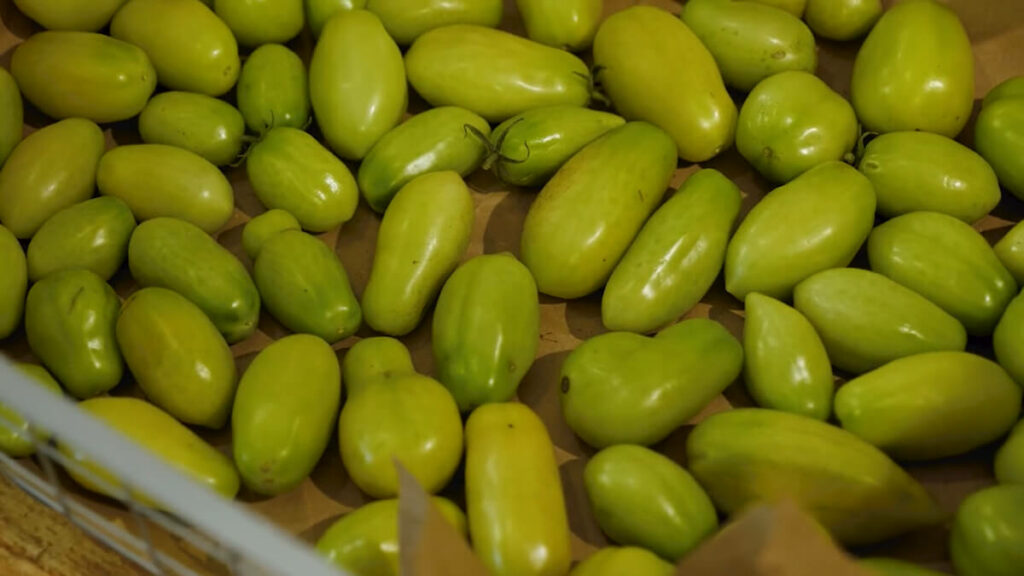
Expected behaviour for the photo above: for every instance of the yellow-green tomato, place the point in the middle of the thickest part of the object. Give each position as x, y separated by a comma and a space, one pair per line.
623, 388
915, 71
786, 366
202, 124
570, 24
290, 170
16, 435
407, 20
815, 222
914, 171
853, 489
284, 412
494, 73
273, 90
174, 254
842, 19
589, 212
947, 262
258, 230
675, 258
445, 138
751, 41
867, 320
52, 169
373, 358
1010, 88
530, 147
82, 15
794, 7
304, 285
318, 12
189, 46
13, 283
84, 75
255, 22
177, 356
1009, 463
1008, 339
791, 122
365, 541
92, 235
159, 180
486, 329
357, 83
69, 323
1010, 251
11, 114
999, 138
618, 560
930, 405
643, 498
517, 518
893, 567
164, 437
421, 240
988, 533
656, 69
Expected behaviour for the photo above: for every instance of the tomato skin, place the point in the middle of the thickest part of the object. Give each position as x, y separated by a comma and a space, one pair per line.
893, 567
794, 7
999, 138
202, 124
1008, 339
988, 533
616, 560
318, 12
70, 14
407, 20
92, 235
256, 22
915, 71
13, 284
258, 230
1009, 463
273, 89
656, 69
842, 20
11, 115
569, 25
15, 439
1009, 88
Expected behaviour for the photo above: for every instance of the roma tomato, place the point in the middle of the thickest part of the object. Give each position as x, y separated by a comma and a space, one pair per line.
1008, 339
893, 567
191, 49
11, 115
318, 12
407, 20
796, 230
589, 212
999, 138
92, 235
258, 230
915, 71
1009, 464
1010, 251
988, 533
794, 7
13, 284
842, 19
570, 24
209, 127
273, 90
255, 22
84, 75
617, 560
791, 122
70, 14
52, 169
655, 69
357, 83
16, 434
1009, 88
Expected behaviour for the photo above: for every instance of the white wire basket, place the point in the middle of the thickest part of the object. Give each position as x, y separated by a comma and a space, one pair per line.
230, 539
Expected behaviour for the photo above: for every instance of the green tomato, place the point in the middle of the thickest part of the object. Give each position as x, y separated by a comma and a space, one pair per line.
930, 405
751, 455
988, 533
1009, 463
914, 171
177, 356
623, 388
16, 434
915, 71
796, 230
191, 49
643, 498
318, 12
794, 7
290, 170
1007, 89
751, 41
69, 323
446, 138
655, 69
675, 258
174, 254
999, 138
373, 358
11, 114
791, 122
618, 560
407, 20
1008, 339
207, 126
305, 286
92, 235
893, 567
486, 329
13, 283
421, 240
258, 230
570, 24
84, 75
357, 83
284, 412
273, 90
589, 212
1010, 251
85, 16
842, 19
50, 170
786, 365
255, 22
947, 262
530, 147
867, 320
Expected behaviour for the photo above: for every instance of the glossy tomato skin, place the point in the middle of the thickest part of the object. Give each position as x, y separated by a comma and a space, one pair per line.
842, 20
615, 560
318, 12
569, 25
191, 49
794, 7
999, 138
256, 22
915, 71
258, 230
13, 284
1010, 88
92, 235
1008, 339
1010, 250
70, 14
357, 83
198, 123
494, 73
11, 115
407, 20
273, 89
1009, 463
988, 533
656, 69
